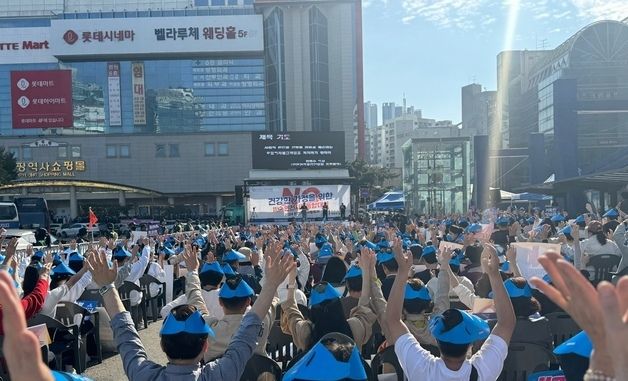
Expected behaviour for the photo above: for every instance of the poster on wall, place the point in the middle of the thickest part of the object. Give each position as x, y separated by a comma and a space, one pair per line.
139, 95
113, 86
41, 99
282, 203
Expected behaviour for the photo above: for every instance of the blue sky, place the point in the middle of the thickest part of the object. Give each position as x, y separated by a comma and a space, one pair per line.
429, 49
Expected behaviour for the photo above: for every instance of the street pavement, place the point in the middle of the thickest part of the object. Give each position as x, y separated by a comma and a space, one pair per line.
111, 367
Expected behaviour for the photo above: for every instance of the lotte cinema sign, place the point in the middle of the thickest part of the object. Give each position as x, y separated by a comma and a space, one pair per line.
41, 99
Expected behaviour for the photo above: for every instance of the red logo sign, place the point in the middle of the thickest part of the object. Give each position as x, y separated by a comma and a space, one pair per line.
41, 99
70, 37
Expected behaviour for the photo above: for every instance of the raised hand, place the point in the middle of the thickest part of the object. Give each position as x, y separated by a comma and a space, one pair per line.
10, 250
444, 256
102, 274
490, 261
277, 268
44, 272
191, 259
404, 258
366, 262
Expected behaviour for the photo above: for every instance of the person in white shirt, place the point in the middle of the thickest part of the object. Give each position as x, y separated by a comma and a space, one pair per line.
454, 331
596, 244
124, 258
66, 285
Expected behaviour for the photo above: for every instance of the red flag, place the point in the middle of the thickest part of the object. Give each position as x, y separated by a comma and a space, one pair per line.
93, 220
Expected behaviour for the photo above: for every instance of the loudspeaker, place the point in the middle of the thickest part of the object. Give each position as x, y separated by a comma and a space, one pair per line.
239, 195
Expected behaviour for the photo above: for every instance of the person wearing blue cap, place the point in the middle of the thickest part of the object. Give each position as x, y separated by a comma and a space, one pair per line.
135, 269
567, 243
184, 332
573, 356
65, 286
353, 289
326, 313
233, 258
454, 331
75, 261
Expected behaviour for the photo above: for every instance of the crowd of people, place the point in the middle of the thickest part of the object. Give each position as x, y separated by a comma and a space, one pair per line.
445, 294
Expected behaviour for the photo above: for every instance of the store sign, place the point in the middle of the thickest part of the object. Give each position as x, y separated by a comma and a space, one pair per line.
276, 203
34, 169
113, 89
25, 45
157, 35
41, 99
139, 96
293, 150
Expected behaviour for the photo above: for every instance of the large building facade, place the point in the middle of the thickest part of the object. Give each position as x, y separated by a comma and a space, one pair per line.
150, 105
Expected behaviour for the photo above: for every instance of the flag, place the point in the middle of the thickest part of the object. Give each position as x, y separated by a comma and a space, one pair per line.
93, 220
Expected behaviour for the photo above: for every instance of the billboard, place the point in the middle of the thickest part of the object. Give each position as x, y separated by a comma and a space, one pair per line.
139, 95
282, 203
113, 90
41, 99
157, 35
294, 150
26, 45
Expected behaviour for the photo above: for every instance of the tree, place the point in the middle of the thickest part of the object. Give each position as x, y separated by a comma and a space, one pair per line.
369, 176
8, 167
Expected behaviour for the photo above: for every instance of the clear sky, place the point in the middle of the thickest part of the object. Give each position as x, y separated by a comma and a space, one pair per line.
429, 49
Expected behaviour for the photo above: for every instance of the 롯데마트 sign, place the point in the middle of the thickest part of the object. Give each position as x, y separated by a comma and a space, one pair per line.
292, 150
41, 99
113, 88
139, 97
61, 168
26, 45
157, 35
281, 203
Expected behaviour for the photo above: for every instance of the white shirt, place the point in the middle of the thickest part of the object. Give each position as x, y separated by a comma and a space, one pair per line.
156, 271
137, 270
211, 301
432, 287
418, 364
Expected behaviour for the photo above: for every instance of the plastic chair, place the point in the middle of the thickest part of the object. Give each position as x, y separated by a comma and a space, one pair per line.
91, 294
280, 346
70, 344
178, 287
65, 314
261, 367
524, 359
153, 301
138, 312
387, 356
604, 264
562, 326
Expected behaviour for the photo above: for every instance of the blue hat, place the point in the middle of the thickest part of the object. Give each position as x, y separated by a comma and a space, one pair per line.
455, 260
325, 251
505, 266
474, 228
502, 221
320, 238
566, 230
578, 345
228, 270
611, 213
76, 257
469, 330
233, 255
558, 218
236, 289
422, 293
516, 292
353, 272
64, 376
167, 251
320, 364
385, 257
383, 244
56, 259
370, 245
2, 258
547, 278
119, 252
61, 270
429, 251
322, 292
213, 266
194, 324
39, 255
580, 219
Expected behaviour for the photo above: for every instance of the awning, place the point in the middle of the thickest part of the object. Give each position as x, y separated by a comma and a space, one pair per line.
390, 201
607, 180
78, 184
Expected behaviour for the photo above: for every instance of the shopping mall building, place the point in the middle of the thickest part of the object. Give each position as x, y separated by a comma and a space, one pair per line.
152, 105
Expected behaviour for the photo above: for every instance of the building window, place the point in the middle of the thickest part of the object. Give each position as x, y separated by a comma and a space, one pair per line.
27, 153
160, 150
223, 149
112, 150
218, 2
15, 151
210, 149
125, 150
319, 70
174, 150
62, 152
76, 151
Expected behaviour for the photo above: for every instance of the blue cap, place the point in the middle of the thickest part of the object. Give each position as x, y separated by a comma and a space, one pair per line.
474, 228
353, 272
61, 270
566, 230
422, 293
469, 330
213, 266
516, 292
320, 238
505, 266
39, 255
429, 251
236, 289
56, 259
558, 218
194, 324
228, 270
370, 245
64, 376
385, 257
547, 278
579, 345
580, 219
233, 255
167, 251
383, 244
325, 251
119, 252
76, 257
611, 213
320, 364
502, 221
322, 292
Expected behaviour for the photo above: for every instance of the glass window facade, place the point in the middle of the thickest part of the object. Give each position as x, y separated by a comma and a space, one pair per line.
125, 150
319, 70
187, 95
112, 150
223, 149
275, 71
210, 149
546, 110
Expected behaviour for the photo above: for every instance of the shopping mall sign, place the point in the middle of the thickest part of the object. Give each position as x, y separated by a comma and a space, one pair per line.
25, 45
157, 36
41, 98
48, 169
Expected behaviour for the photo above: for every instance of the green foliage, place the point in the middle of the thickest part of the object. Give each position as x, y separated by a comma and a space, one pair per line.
368, 176
8, 171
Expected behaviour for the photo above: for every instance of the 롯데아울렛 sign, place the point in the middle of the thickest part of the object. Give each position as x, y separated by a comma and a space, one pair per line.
41, 99
47, 169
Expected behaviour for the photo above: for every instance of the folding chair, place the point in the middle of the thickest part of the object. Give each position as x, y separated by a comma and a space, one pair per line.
280, 346
387, 356
66, 311
70, 342
523, 360
261, 368
153, 301
562, 326
604, 264
138, 312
